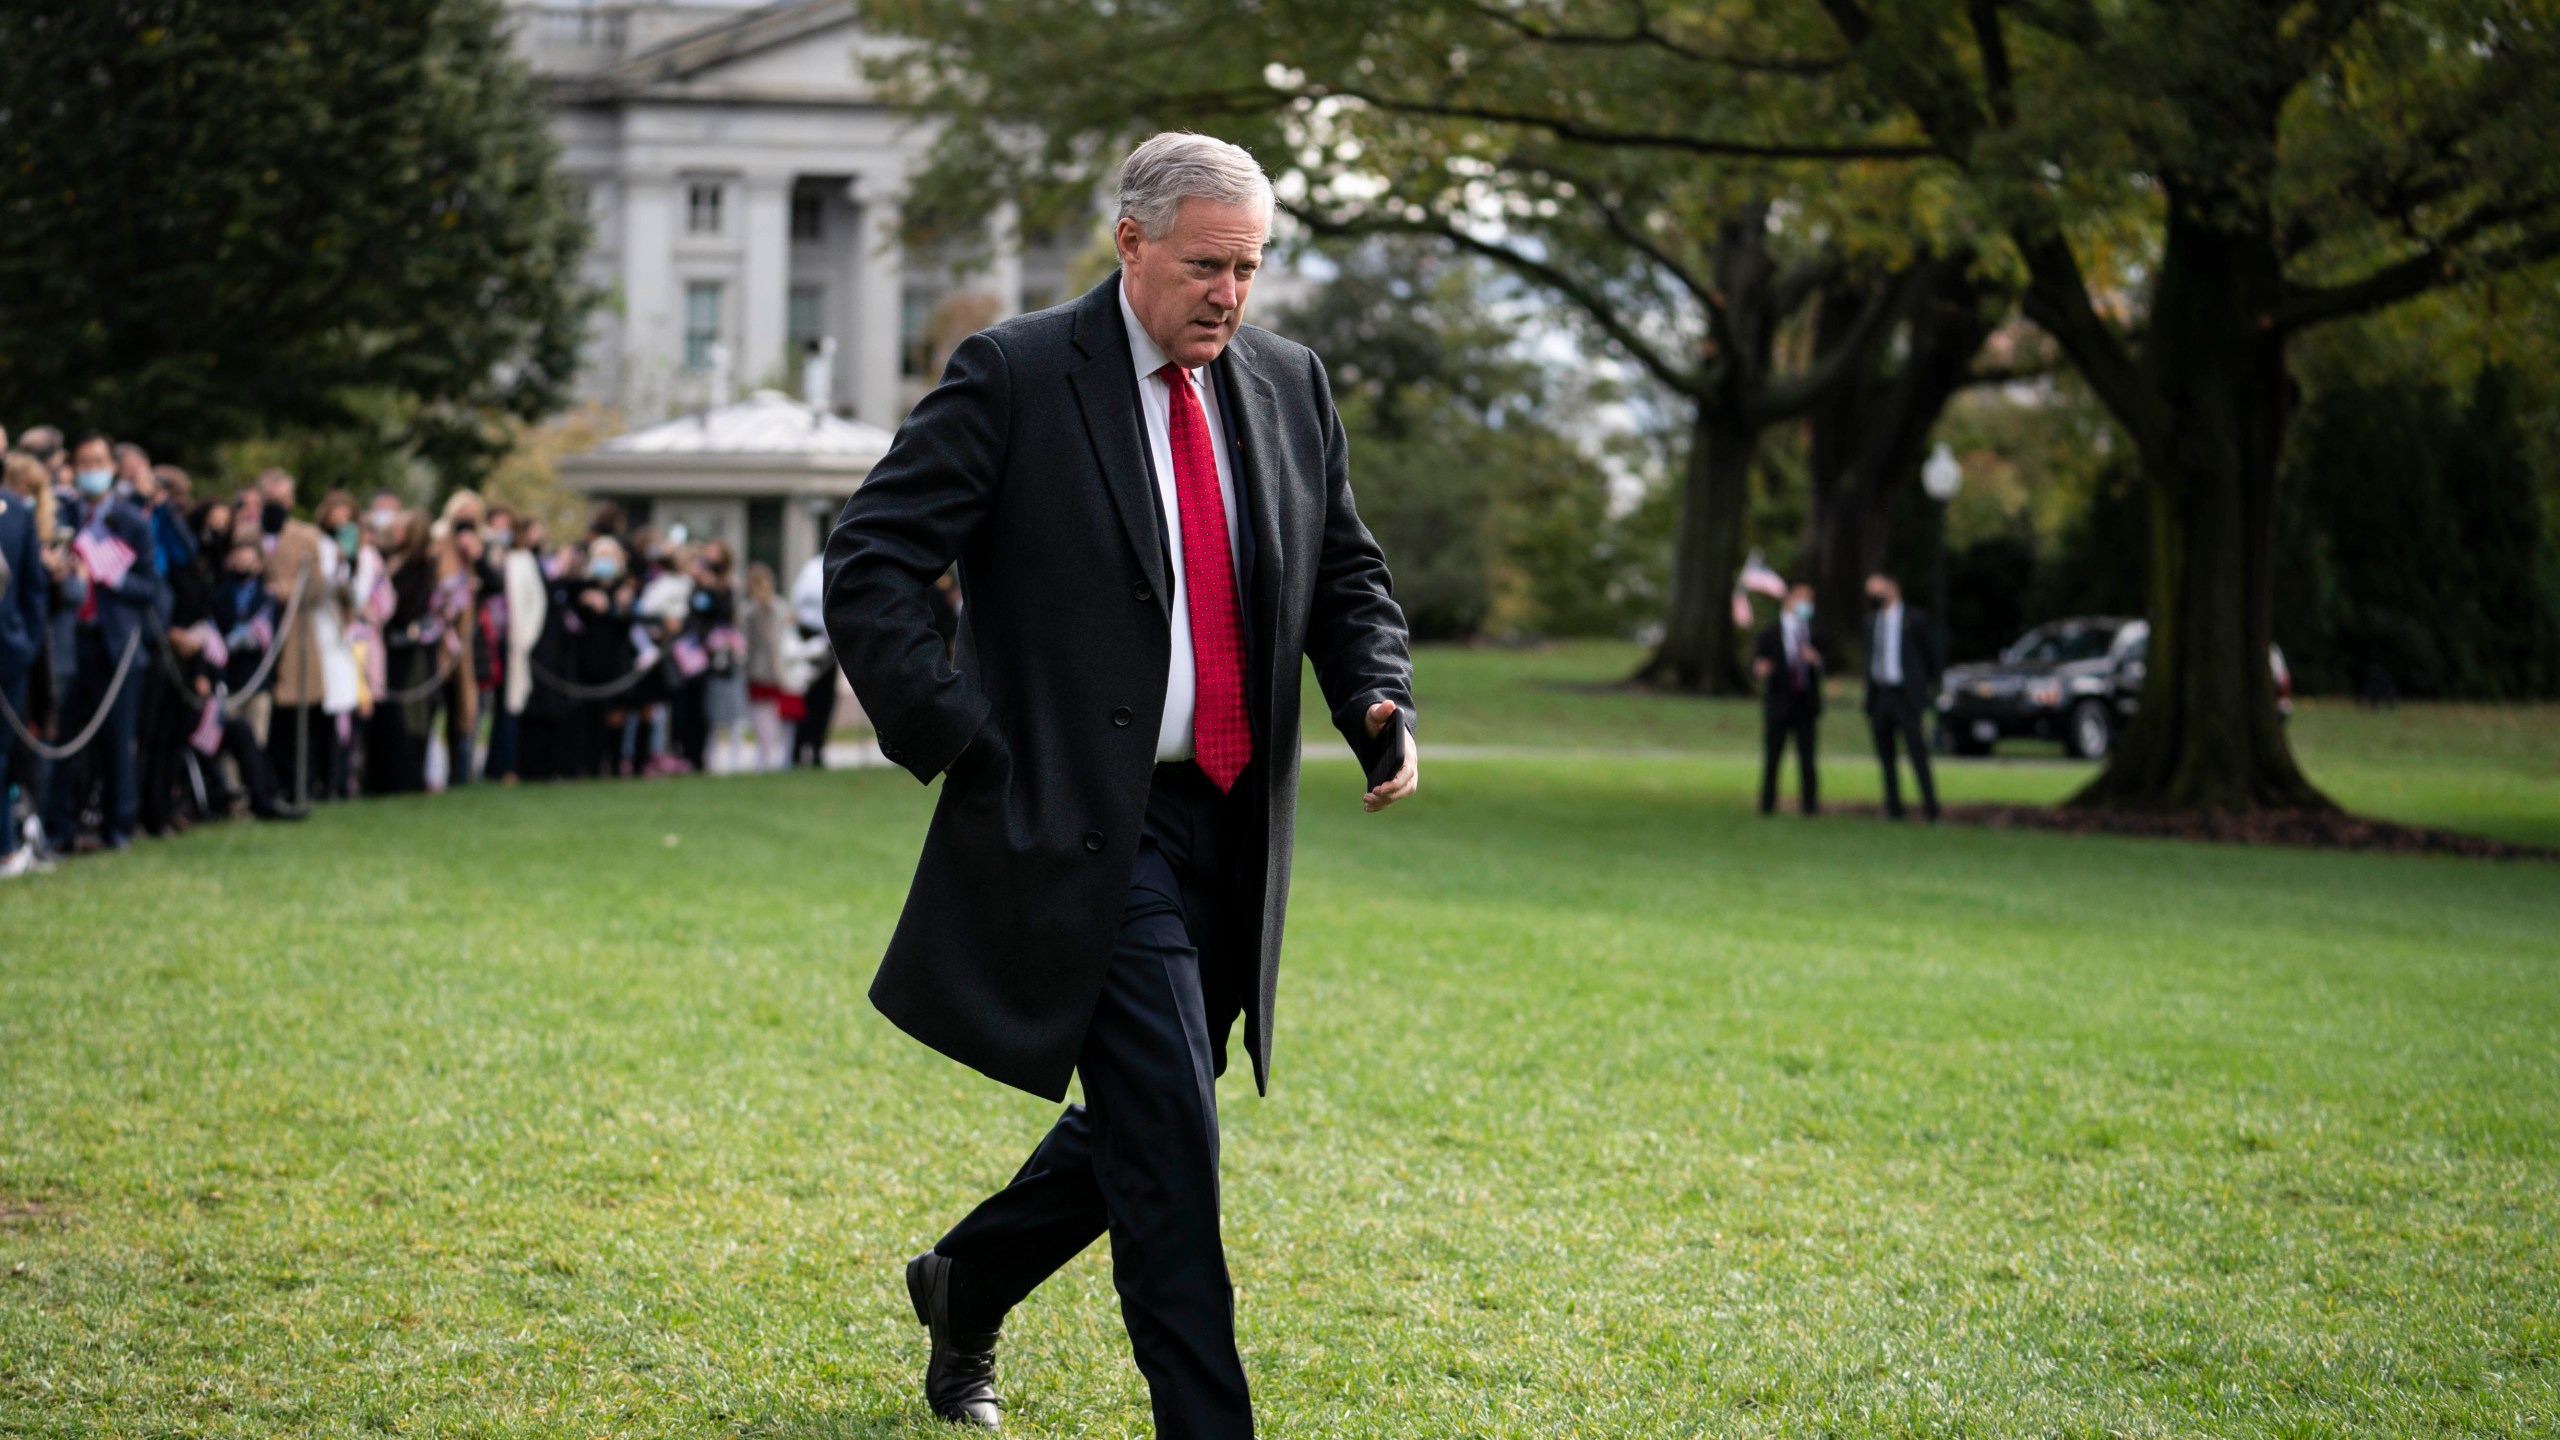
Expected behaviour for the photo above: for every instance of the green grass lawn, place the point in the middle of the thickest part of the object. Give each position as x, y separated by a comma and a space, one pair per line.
2491, 769
1601, 1107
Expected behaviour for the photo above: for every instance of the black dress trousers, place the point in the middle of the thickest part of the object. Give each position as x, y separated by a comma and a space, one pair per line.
1139, 1158
1893, 714
1790, 717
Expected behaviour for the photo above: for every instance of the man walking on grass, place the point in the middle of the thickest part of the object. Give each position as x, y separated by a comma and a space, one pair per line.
1151, 508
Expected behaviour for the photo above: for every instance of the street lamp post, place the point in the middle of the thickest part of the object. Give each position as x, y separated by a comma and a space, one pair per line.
1942, 477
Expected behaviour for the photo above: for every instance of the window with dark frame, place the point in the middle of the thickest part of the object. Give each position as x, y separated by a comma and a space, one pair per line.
702, 208
915, 334
801, 319
701, 322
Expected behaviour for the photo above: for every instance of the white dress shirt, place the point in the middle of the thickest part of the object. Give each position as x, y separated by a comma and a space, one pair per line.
1155, 397
1887, 664
809, 593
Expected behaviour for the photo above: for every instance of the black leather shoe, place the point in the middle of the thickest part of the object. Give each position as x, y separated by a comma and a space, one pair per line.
960, 1379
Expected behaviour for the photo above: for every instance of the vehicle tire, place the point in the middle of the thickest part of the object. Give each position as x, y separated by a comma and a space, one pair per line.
2090, 730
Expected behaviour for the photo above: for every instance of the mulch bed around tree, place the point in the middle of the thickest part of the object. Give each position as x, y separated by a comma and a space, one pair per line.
2310, 829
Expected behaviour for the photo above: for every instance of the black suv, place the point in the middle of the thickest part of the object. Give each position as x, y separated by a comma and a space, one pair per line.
2077, 681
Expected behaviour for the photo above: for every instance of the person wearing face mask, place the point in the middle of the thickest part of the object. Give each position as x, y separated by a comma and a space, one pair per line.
1902, 673
244, 613
182, 777
301, 736
1790, 674
606, 652
116, 596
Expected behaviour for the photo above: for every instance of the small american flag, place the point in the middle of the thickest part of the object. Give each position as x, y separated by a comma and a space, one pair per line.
207, 736
1758, 577
103, 557
209, 643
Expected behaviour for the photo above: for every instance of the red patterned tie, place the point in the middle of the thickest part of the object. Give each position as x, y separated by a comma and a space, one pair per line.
1221, 739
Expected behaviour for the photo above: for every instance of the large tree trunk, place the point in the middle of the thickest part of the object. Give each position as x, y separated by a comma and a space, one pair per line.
1700, 647
2208, 736
1845, 525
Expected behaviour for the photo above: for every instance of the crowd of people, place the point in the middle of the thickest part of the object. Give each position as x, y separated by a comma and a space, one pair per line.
167, 660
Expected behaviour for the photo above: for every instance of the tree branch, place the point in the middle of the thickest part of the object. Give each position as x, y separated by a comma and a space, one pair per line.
2437, 268
1792, 395
1582, 296
2057, 300
1580, 133
1985, 16
1627, 231
1642, 32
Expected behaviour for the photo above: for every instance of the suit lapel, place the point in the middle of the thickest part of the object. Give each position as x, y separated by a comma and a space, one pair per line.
1255, 442
1106, 391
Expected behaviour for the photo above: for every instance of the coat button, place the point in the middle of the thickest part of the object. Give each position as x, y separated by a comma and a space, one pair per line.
1122, 716
1143, 591
1093, 840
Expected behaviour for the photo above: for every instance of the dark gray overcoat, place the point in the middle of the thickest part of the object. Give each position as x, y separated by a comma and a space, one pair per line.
1028, 466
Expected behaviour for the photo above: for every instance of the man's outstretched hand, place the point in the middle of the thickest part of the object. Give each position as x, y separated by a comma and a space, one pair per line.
1407, 778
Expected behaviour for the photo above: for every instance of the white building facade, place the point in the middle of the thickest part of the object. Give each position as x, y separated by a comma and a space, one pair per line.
743, 180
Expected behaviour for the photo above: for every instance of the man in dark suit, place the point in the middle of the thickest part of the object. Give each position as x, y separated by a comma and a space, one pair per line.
119, 601
1902, 674
23, 583
1790, 673
1151, 508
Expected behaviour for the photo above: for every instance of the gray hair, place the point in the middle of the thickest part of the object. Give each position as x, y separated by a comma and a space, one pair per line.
1176, 166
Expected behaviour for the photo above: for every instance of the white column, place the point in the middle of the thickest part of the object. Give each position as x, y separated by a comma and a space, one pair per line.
872, 352
804, 533
1004, 267
652, 333
765, 282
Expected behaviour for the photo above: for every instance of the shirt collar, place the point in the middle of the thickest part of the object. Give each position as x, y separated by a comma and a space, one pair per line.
1144, 352
1893, 612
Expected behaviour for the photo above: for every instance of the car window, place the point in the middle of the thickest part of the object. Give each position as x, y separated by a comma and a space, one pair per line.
2060, 645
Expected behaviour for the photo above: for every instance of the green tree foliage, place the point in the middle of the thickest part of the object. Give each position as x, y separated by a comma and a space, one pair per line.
2294, 165
225, 219
1686, 178
2095, 564
1498, 516
2417, 558
2508, 323
2415, 549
